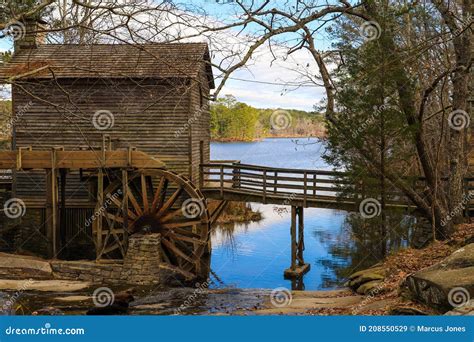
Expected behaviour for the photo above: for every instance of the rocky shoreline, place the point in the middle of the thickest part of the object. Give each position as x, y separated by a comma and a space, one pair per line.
436, 280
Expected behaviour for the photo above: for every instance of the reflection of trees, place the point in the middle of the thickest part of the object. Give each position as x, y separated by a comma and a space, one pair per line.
359, 245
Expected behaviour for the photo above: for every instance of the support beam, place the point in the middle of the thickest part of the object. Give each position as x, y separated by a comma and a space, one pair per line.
298, 267
97, 224
62, 214
51, 212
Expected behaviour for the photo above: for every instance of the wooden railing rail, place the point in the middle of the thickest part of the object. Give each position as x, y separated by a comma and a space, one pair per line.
298, 184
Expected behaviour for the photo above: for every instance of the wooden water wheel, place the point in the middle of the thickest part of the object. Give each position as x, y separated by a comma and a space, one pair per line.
154, 201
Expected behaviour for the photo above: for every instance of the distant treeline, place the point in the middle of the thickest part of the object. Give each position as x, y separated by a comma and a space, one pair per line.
236, 121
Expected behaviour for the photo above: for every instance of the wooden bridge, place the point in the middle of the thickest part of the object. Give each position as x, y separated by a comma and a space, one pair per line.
233, 181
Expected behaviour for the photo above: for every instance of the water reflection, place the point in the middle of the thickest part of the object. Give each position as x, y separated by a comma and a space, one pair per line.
338, 243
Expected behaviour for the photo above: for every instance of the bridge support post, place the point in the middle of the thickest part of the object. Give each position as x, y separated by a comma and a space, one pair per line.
298, 267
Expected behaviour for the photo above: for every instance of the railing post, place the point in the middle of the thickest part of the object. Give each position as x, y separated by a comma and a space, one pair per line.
314, 184
222, 180
235, 176
264, 186
275, 182
305, 188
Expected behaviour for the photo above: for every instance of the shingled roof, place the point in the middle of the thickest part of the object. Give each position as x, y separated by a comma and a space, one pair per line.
181, 60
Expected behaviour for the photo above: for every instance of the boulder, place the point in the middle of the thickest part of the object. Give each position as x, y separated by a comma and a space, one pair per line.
370, 288
365, 278
14, 266
367, 281
402, 310
447, 284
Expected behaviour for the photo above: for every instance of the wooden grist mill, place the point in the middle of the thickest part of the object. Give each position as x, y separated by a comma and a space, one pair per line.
102, 150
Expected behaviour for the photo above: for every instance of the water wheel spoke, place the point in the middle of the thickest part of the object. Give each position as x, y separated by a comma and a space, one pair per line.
176, 236
189, 233
110, 248
171, 215
107, 217
164, 255
177, 251
134, 202
111, 219
169, 203
146, 207
172, 225
120, 205
159, 194
115, 218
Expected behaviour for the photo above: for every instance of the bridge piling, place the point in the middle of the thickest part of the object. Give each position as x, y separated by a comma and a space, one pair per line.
298, 267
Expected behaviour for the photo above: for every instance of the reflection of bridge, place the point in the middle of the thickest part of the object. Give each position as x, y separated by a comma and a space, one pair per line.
229, 180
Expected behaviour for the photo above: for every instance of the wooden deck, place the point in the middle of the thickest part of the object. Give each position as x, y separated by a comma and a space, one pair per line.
233, 181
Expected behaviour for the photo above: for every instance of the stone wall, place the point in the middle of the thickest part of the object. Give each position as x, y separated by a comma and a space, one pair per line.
94, 272
141, 265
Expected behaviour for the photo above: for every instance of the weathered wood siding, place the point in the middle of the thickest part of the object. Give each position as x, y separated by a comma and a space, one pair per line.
200, 127
151, 115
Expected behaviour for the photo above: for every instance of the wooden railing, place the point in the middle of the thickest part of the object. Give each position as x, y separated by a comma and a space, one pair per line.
305, 185
299, 184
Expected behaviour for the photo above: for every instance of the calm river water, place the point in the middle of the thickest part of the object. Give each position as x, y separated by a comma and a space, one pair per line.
254, 255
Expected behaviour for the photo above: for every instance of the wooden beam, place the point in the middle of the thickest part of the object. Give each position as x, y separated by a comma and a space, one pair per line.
293, 238
79, 159
97, 224
62, 214
51, 212
300, 256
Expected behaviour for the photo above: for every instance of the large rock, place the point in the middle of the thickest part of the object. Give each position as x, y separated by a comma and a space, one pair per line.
447, 284
367, 282
43, 285
14, 266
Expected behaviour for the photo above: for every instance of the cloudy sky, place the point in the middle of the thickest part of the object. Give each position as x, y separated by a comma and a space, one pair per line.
264, 83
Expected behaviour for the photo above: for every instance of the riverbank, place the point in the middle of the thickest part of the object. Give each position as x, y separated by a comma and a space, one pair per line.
387, 297
239, 212
385, 285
